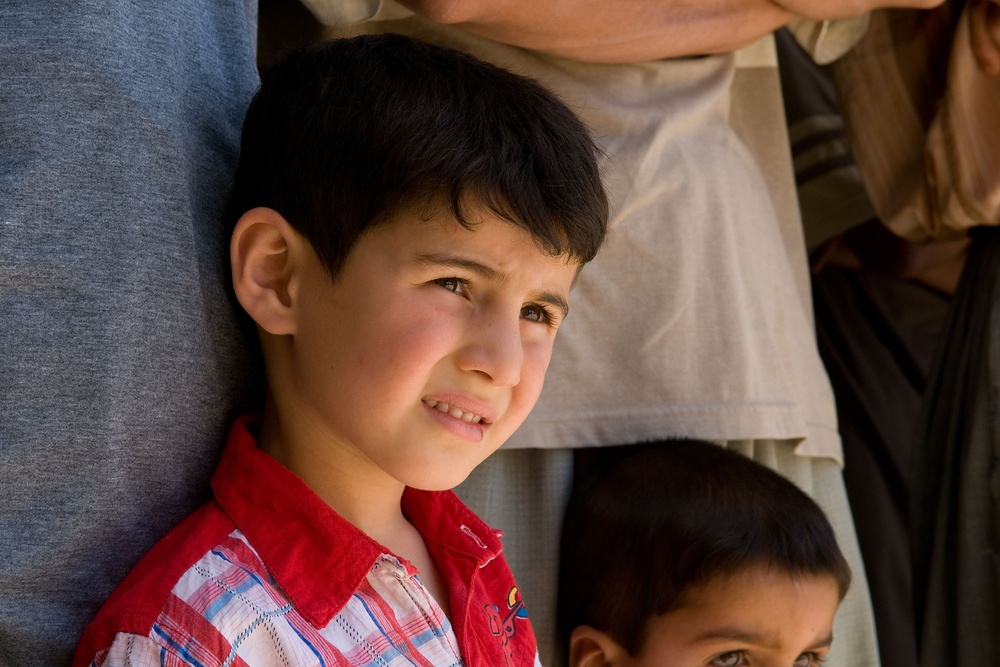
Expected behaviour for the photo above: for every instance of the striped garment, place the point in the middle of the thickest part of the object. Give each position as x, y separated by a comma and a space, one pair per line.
922, 119
267, 574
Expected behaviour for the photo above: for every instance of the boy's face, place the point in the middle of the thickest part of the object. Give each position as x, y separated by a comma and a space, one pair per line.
428, 349
756, 618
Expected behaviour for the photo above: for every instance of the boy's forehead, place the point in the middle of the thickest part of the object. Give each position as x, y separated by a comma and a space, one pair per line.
767, 618
758, 603
466, 232
752, 578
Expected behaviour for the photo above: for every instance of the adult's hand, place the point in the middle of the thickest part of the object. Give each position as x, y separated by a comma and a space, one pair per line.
984, 33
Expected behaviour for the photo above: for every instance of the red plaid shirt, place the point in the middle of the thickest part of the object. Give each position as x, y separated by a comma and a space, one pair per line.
268, 574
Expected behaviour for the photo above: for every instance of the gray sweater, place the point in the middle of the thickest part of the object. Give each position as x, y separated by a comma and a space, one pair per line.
120, 362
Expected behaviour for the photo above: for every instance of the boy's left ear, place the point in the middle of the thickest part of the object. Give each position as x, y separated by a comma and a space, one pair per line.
264, 251
589, 647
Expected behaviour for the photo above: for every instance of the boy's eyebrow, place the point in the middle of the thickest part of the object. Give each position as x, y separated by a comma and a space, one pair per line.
822, 643
490, 274
736, 634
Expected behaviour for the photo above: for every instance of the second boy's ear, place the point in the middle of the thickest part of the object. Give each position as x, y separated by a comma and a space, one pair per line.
589, 647
264, 252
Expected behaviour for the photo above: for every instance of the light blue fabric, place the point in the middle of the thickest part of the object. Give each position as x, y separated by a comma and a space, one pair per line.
120, 360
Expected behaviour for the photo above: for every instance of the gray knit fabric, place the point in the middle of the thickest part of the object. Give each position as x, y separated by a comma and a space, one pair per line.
120, 363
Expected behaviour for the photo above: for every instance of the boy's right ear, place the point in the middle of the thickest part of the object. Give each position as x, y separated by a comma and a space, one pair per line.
263, 253
589, 647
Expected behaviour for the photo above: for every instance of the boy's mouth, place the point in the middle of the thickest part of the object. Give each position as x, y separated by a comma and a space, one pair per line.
454, 412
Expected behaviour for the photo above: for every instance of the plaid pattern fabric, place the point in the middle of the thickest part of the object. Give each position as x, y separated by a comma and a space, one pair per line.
268, 574
228, 610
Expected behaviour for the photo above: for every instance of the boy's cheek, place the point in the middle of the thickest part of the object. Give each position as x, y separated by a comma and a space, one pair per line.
538, 352
536, 364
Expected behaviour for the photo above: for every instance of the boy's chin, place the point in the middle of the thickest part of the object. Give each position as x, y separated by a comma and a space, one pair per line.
438, 478
446, 483
444, 471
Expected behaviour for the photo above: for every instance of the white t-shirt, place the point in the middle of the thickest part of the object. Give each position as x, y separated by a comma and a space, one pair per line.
695, 319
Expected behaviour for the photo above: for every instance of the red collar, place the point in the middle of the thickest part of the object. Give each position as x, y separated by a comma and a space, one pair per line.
317, 557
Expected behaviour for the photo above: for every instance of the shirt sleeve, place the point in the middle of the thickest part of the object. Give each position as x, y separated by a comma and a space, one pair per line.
342, 12
827, 41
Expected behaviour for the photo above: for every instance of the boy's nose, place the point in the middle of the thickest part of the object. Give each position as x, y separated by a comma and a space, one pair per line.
494, 348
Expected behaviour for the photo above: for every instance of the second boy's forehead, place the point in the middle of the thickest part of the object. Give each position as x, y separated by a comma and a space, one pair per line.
761, 611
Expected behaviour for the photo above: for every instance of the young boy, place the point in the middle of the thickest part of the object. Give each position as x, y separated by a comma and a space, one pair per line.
685, 554
408, 223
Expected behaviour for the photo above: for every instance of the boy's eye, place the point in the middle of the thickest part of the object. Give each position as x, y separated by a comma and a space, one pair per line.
731, 659
456, 285
807, 660
535, 313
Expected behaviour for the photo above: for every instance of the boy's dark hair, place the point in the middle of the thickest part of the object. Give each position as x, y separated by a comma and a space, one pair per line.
668, 516
344, 133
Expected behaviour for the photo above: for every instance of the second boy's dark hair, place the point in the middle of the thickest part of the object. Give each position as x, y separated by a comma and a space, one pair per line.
670, 516
343, 134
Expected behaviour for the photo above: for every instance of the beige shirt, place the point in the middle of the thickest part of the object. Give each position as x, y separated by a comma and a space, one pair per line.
695, 319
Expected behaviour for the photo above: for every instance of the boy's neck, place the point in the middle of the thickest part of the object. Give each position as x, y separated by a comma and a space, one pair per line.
370, 502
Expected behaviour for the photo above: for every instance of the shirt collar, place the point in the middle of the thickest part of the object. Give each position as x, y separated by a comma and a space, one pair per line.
450, 529
317, 557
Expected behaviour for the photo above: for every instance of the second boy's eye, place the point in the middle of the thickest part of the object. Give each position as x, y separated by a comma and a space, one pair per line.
452, 284
731, 659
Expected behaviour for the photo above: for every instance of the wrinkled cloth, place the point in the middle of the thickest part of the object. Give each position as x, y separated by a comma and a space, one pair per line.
923, 123
955, 486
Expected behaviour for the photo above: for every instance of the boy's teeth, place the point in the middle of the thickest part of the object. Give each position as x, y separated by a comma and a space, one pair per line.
454, 412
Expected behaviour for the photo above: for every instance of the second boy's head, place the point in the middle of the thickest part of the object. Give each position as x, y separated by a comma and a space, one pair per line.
685, 554
408, 223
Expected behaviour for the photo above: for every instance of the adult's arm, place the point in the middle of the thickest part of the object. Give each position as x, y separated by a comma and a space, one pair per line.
601, 31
